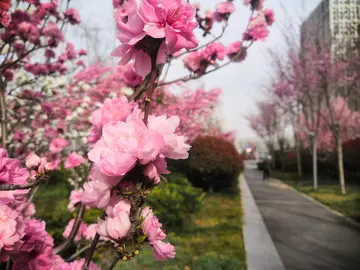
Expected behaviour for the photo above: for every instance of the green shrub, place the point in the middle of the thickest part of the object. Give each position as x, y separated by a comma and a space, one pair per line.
174, 201
214, 164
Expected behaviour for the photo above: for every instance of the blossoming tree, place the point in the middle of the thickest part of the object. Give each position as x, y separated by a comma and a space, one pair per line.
130, 137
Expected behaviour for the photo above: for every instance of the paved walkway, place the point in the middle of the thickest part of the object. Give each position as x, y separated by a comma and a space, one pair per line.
306, 235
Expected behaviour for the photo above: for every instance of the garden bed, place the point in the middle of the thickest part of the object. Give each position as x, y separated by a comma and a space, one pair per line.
214, 240
328, 194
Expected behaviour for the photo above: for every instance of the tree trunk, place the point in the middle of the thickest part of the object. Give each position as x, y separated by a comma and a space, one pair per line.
341, 165
314, 154
298, 157
3, 114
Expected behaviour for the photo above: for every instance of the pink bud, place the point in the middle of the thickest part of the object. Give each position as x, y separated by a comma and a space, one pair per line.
32, 160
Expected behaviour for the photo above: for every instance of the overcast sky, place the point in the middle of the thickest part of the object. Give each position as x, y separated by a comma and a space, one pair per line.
241, 83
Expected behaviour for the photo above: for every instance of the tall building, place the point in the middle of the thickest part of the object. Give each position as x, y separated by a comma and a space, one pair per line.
331, 23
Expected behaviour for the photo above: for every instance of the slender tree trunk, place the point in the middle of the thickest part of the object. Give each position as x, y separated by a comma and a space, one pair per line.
341, 165
314, 154
3, 114
298, 157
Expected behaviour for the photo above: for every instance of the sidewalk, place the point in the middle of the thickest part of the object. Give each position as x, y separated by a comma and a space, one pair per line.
258, 243
306, 235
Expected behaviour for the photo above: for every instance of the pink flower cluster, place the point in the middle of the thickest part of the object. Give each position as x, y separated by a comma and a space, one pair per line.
199, 61
258, 27
126, 143
111, 111
152, 229
12, 173
154, 28
224, 10
236, 52
23, 239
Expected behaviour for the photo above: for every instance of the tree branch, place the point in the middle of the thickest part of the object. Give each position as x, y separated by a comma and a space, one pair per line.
67, 243
3, 113
40, 179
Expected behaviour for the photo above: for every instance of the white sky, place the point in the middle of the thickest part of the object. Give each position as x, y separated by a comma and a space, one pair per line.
241, 83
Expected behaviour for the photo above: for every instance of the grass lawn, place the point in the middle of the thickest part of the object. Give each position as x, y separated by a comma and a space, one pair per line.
328, 194
213, 242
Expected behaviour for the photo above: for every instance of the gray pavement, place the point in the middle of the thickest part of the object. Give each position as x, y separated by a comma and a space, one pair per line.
257, 241
306, 235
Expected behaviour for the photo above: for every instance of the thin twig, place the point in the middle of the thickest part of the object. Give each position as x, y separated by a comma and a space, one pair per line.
82, 250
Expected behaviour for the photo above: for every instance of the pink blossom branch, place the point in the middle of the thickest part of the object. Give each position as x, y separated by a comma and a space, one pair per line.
206, 44
39, 180
195, 77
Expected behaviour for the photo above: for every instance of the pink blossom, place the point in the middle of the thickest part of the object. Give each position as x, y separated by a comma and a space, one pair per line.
8, 74
129, 75
122, 144
97, 192
154, 169
90, 231
117, 205
258, 28
123, 10
58, 144
175, 146
32, 160
162, 250
153, 29
269, 16
151, 226
52, 31
214, 51
82, 52
11, 228
12, 173
28, 31
75, 197
80, 233
129, 34
28, 210
73, 160
172, 20
112, 111
118, 224
35, 249
236, 52
223, 10
193, 61
45, 166
73, 16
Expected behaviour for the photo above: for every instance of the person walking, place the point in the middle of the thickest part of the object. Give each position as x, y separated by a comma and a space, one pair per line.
266, 169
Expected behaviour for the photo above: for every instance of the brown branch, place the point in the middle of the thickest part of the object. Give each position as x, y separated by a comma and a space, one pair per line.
40, 179
67, 243
114, 261
3, 113
92, 248
91, 253
82, 250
